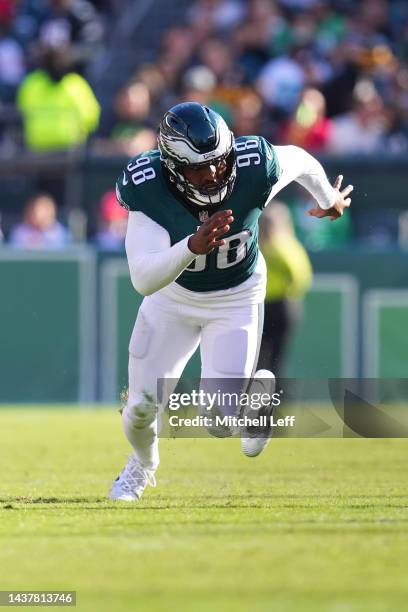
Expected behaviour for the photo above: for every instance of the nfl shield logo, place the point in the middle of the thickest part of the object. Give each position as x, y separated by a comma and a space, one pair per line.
203, 215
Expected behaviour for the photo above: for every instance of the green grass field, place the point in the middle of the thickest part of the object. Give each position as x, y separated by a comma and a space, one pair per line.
311, 525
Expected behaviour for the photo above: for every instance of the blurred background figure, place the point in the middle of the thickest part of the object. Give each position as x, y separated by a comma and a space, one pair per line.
112, 223
207, 17
76, 24
289, 276
199, 85
12, 58
40, 228
308, 127
59, 108
280, 84
133, 131
247, 115
363, 129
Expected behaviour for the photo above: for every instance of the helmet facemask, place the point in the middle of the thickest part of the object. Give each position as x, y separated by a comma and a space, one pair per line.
207, 195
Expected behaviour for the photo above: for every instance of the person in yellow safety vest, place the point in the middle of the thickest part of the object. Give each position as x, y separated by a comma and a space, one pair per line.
289, 276
59, 108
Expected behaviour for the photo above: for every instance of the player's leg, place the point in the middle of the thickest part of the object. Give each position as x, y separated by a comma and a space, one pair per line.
162, 342
229, 350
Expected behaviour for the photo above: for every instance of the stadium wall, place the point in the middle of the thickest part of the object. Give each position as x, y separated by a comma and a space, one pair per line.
67, 318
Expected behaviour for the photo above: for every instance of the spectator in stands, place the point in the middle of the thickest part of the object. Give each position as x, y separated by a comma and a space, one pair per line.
61, 23
289, 276
112, 223
164, 76
362, 130
12, 60
216, 54
132, 108
178, 43
133, 131
177, 48
209, 17
275, 48
308, 127
59, 108
247, 115
396, 135
39, 228
331, 26
198, 85
219, 57
263, 27
151, 76
280, 83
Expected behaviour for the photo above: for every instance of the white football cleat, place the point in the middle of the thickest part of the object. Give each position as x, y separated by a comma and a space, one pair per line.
132, 481
254, 439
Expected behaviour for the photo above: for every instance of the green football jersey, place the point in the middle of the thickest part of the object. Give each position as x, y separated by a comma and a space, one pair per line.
143, 187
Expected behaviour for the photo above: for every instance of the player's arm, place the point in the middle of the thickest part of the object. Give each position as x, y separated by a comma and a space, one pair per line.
153, 262
298, 165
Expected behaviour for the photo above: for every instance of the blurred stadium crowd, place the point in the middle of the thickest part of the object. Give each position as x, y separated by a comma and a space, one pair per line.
328, 75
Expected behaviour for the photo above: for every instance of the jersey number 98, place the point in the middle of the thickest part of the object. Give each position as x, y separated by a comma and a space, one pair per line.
248, 158
230, 254
142, 174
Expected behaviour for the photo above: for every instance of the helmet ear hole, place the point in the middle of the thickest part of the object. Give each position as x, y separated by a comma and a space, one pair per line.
191, 134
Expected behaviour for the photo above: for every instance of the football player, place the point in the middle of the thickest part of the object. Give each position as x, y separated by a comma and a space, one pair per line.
192, 249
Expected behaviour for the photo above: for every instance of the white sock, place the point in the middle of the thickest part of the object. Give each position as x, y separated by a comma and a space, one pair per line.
142, 435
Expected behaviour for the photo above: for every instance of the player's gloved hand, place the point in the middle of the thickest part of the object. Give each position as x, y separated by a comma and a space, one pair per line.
341, 202
206, 237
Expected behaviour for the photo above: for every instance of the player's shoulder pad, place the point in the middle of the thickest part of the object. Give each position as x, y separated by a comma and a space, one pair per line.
137, 180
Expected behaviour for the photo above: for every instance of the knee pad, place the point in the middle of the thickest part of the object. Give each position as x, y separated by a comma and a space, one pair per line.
141, 410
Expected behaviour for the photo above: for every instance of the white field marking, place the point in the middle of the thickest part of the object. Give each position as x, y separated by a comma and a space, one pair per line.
347, 286
374, 300
111, 271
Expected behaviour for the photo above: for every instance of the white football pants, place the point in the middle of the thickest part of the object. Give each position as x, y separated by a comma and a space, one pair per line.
166, 334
